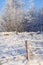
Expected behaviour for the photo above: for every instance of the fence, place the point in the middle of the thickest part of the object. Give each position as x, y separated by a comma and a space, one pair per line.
29, 49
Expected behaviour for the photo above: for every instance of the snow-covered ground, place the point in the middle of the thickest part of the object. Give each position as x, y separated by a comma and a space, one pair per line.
13, 51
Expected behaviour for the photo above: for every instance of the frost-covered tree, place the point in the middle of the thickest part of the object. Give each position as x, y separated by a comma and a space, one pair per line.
15, 18
40, 19
29, 17
1, 24
13, 15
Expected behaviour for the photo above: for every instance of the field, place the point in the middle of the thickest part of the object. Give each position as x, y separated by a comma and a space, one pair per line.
13, 50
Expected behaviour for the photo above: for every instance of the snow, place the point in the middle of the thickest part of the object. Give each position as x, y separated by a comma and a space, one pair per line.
12, 48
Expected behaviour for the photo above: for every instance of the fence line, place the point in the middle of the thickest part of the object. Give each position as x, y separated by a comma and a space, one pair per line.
28, 47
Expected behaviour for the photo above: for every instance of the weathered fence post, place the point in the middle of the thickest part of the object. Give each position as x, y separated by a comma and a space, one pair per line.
0, 63
26, 45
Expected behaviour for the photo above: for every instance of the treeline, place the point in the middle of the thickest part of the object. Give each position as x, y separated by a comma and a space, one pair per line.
15, 18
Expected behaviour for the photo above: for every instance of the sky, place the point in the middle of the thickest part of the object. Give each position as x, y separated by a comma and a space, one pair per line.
37, 4
1, 4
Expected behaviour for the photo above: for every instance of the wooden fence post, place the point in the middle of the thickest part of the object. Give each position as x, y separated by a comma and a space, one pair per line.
0, 63
26, 45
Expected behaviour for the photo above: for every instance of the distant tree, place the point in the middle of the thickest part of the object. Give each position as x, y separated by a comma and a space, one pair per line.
40, 19
29, 17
